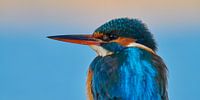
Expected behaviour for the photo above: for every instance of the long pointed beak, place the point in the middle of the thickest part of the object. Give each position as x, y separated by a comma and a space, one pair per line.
78, 39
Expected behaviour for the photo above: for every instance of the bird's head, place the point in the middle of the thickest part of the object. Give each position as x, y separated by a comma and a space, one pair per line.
114, 36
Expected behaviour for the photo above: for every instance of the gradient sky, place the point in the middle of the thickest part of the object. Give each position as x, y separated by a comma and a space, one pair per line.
33, 67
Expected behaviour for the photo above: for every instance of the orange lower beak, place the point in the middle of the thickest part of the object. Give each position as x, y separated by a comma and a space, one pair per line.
78, 39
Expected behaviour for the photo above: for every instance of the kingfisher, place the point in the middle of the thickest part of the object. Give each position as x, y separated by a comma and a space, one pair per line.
127, 66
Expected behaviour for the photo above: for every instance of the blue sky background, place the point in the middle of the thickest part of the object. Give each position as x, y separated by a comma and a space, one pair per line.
33, 67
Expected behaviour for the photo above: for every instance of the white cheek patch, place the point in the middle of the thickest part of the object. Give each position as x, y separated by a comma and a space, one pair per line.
101, 51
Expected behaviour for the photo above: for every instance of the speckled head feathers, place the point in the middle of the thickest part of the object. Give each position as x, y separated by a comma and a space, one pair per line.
131, 28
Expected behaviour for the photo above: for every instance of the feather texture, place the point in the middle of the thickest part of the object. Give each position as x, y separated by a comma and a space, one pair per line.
132, 74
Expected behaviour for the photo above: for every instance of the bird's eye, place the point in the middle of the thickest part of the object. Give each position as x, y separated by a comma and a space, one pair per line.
109, 37
105, 38
113, 36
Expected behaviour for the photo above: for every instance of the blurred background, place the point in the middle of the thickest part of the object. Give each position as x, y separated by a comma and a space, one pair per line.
33, 67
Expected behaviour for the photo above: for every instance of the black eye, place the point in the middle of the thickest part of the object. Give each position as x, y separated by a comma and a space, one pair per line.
113, 36
105, 38
109, 37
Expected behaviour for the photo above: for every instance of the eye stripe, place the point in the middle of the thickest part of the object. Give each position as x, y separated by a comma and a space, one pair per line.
124, 41
105, 37
109, 37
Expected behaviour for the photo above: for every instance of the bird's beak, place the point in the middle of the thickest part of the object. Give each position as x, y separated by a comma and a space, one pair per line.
78, 39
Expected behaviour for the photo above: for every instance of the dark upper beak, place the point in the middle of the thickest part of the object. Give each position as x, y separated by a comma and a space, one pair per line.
78, 39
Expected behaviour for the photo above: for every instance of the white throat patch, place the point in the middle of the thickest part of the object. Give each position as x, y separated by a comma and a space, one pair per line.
101, 51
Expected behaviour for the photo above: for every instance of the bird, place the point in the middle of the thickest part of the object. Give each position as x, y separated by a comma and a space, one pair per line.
127, 66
